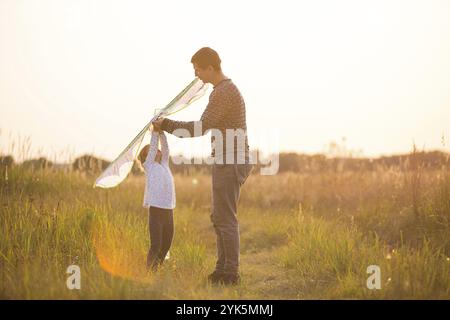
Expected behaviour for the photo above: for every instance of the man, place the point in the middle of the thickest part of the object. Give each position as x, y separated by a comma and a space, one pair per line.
225, 117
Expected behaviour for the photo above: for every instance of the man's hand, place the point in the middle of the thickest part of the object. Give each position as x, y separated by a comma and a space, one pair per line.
157, 124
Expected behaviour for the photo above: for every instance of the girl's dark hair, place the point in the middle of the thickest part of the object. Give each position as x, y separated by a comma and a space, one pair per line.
141, 157
207, 57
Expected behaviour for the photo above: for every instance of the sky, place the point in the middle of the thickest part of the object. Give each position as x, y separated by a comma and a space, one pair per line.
85, 76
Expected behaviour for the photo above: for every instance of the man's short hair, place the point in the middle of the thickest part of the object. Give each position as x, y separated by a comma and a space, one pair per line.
207, 57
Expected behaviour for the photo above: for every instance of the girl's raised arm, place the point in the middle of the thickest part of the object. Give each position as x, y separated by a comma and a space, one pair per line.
164, 148
153, 147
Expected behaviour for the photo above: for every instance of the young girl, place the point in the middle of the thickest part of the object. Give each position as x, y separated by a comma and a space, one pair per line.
159, 198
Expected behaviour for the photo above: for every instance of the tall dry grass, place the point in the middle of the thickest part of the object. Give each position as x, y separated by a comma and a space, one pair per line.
303, 236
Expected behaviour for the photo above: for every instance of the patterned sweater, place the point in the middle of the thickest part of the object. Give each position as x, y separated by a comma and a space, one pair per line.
225, 110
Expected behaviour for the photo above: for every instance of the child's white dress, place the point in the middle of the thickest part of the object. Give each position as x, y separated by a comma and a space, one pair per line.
159, 184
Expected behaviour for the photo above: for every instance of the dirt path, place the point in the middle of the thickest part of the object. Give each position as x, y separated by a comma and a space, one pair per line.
265, 278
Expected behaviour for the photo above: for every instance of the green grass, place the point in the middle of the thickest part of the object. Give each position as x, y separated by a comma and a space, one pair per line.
302, 237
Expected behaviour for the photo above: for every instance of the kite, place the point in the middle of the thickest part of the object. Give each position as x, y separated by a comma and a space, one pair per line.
119, 169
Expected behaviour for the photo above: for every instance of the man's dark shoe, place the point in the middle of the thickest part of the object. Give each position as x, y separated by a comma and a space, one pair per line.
215, 277
230, 279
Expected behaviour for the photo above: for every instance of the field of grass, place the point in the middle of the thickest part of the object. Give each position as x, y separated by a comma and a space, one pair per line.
303, 236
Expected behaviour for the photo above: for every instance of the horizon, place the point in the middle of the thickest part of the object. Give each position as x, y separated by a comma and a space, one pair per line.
335, 152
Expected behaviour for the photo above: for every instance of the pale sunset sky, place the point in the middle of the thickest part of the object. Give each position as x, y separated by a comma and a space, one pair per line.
85, 76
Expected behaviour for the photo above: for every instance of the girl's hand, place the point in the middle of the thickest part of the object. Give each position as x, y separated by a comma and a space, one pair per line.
155, 128
157, 124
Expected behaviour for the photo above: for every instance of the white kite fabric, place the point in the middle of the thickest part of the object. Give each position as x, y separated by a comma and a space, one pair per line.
119, 169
